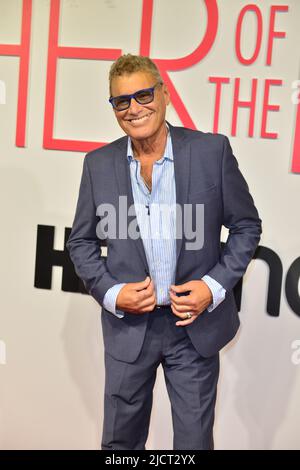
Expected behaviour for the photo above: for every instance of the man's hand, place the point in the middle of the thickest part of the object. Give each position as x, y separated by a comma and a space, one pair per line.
199, 298
137, 297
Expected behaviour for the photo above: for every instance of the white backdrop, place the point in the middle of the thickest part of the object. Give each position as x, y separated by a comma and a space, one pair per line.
51, 352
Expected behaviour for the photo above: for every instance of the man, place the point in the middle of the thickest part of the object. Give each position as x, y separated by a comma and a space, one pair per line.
165, 300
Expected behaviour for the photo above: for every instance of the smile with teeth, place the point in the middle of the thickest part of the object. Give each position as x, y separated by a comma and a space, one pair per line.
141, 119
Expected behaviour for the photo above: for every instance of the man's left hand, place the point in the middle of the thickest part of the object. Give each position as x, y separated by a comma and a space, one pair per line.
199, 298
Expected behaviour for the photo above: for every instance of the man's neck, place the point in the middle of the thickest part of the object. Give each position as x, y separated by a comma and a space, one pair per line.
153, 147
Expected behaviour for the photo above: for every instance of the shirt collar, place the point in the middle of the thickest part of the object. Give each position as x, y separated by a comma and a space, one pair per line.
168, 153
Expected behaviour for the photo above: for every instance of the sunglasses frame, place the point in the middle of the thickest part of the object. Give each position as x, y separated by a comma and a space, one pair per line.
133, 95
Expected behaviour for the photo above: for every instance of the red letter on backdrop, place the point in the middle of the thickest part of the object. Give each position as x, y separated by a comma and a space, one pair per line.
165, 65
21, 50
218, 81
168, 65
54, 52
237, 103
274, 34
268, 107
296, 149
258, 35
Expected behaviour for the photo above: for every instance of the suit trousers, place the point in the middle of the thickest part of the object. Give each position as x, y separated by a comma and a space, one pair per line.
191, 382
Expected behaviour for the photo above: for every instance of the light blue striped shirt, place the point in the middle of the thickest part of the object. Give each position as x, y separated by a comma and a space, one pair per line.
158, 229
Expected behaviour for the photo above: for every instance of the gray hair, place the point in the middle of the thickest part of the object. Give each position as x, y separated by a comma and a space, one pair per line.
128, 64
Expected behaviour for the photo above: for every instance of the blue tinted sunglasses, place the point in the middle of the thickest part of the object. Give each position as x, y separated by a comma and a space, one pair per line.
122, 102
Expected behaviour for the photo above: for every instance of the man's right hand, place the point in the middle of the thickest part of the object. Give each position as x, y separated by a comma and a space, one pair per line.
137, 297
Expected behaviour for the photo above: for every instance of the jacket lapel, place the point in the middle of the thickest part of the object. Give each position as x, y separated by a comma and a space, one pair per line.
122, 171
182, 158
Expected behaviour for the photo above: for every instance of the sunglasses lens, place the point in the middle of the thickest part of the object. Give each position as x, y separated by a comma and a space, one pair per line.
121, 103
144, 96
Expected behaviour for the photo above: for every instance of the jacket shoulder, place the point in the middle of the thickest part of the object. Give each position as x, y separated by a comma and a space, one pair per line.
206, 138
106, 153
207, 144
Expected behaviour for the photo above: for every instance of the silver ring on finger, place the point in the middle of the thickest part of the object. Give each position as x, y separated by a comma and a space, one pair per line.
188, 315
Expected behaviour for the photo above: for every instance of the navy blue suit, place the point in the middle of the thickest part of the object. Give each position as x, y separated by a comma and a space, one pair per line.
206, 172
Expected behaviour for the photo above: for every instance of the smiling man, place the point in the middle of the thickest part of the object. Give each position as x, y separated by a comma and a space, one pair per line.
163, 301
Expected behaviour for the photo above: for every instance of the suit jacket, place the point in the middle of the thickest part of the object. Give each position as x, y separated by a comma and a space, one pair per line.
206, 172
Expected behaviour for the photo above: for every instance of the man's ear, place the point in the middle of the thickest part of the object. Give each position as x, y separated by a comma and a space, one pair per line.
166, 94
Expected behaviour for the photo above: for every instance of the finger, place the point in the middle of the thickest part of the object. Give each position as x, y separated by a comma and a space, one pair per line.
147, 302
142, 285
183, 300
146, 291
143, 296
150, 286
149, 290
182, 309
182, 287
181, 315
185, 322
149, 308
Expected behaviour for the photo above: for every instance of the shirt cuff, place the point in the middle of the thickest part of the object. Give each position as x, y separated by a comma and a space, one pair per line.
218, 292
110, 298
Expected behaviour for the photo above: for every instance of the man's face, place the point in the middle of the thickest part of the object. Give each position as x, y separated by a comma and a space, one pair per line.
141, 121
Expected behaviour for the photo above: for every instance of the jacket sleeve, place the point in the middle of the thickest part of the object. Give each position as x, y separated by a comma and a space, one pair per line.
84, 245
241, 218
